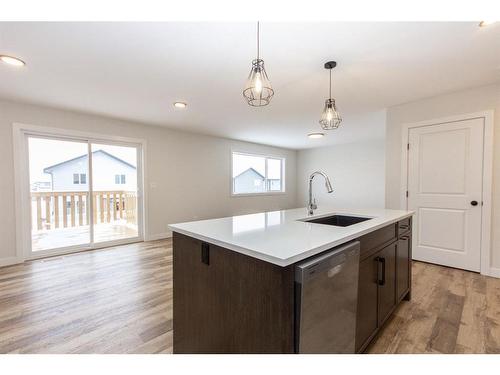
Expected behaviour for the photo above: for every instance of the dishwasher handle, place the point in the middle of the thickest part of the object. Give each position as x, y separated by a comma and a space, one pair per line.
380, 260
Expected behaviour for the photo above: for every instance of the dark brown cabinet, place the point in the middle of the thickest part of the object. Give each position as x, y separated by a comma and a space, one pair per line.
384, 278
376, 293
403, 264
404, 225
386, 260
366, 316
226, 302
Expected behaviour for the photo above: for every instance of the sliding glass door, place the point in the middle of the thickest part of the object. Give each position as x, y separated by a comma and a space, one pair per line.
59, 193
83, 194
114, 182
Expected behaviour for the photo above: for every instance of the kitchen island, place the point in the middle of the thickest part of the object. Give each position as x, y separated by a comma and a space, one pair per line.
234, 278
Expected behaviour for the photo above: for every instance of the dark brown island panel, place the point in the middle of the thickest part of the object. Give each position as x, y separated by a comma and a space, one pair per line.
227, 302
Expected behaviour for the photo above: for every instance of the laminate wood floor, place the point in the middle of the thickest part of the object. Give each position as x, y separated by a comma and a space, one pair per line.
451, 311
115, 300
119, 300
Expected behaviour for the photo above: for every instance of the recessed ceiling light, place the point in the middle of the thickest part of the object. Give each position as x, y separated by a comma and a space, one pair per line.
180, 105
316, 135
486, 23
12, 60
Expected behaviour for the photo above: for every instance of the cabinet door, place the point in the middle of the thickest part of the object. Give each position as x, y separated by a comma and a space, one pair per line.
226, 302
194, 298
366, 316
403, 266
387, 281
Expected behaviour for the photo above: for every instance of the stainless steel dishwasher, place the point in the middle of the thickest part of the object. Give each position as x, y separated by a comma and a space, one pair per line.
326, 295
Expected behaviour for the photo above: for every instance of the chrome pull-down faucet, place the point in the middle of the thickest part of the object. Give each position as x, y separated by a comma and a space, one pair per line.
312, 203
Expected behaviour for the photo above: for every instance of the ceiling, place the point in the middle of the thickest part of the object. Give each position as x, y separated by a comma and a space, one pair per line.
135, 71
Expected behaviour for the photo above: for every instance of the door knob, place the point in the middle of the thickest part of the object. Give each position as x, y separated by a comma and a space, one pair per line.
474, 203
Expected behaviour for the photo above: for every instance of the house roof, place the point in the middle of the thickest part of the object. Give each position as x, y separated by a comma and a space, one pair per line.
55, 166
250, 169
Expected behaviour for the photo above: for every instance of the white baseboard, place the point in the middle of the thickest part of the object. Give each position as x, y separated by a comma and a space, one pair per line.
10, 261
159, 236
494, 272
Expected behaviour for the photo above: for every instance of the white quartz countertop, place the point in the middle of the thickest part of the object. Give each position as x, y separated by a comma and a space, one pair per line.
282, 237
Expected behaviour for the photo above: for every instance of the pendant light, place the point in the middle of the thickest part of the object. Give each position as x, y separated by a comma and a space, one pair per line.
258, 91
330, 118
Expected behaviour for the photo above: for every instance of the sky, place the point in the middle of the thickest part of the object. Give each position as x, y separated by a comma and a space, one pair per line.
46, 152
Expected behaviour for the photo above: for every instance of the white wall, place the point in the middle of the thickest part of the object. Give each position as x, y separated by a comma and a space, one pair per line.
356, 171
463, 102
189, 174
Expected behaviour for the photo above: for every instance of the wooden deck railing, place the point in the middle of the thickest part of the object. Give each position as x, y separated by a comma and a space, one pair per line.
63, 209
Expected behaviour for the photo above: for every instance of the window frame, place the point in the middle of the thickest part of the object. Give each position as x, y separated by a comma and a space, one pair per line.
282, 158
79, 180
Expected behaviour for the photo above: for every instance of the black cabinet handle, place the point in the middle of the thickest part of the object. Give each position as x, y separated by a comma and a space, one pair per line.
474, 203
205, 253
404, 226
381, 260
404, 238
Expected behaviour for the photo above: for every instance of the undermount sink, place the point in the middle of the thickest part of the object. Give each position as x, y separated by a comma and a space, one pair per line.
338, 220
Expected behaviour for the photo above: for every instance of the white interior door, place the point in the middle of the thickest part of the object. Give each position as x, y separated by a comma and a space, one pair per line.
445, 168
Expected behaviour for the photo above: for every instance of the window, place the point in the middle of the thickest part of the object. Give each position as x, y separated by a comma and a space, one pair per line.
119, 179
79, 178
256, 174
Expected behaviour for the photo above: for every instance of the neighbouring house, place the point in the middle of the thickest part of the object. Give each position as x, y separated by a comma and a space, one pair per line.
110, 173
251, 181
41, 186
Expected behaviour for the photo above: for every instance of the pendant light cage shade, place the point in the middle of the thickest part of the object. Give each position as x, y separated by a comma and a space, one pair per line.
330, 118
258, 91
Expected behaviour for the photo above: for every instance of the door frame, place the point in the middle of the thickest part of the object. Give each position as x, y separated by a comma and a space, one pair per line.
20, 132
486, 209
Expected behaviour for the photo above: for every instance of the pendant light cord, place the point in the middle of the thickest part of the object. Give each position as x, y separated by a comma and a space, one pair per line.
330, 83
258, 39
